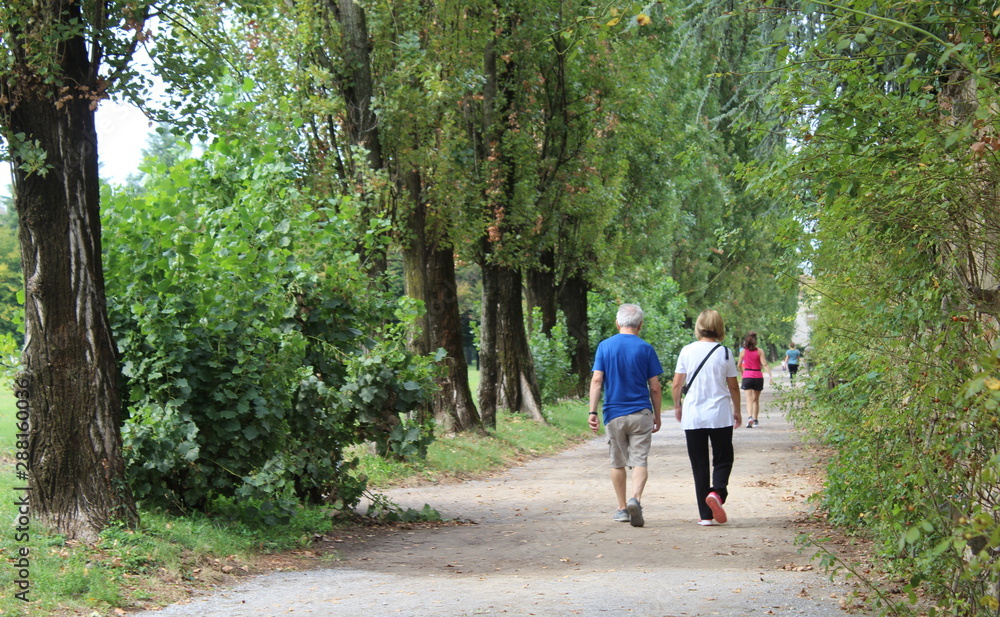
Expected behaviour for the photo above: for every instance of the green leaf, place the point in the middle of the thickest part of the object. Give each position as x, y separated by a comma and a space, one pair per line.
368, 393
954, 137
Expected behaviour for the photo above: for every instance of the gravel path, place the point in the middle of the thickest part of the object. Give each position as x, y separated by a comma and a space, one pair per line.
541, 542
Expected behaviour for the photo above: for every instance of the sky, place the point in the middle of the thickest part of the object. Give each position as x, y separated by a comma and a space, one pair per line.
121, 135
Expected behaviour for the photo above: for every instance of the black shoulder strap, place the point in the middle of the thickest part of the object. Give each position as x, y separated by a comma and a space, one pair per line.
687, 386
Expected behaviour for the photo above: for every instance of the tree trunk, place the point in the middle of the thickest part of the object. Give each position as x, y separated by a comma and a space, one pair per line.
360, 123
507, 373
69, 372
429, 274
453, 403
573, 303
489, 371
541, 291
357, 83
514, 380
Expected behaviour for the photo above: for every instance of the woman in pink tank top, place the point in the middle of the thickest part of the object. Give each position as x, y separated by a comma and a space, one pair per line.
752, 363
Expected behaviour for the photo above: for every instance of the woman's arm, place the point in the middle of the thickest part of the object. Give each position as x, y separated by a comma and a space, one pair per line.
764, 365
675, 391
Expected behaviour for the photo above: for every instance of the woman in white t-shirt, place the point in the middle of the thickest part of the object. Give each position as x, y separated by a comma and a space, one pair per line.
709, 413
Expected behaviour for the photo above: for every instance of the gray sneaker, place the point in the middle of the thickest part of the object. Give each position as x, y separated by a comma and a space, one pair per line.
635, 513
621, 516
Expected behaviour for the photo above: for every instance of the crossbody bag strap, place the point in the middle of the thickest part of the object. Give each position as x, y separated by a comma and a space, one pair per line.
687, 386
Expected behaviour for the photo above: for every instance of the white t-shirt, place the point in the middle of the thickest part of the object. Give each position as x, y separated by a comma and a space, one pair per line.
708, 403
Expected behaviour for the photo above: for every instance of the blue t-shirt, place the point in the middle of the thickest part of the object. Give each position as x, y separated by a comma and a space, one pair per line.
628, 363
793, 356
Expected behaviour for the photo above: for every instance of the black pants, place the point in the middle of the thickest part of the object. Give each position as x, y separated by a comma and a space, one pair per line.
715, 477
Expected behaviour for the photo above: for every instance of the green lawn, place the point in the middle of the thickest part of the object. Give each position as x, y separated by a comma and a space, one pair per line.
7, 430
474, 382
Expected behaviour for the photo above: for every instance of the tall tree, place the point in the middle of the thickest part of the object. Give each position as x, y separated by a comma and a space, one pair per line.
356, 85
50, 87
567, 118
507, 374
585, 73
414, 116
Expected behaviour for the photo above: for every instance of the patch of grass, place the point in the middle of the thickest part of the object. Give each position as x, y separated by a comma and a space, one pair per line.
474, 382
157, 563
7, 420
515, 439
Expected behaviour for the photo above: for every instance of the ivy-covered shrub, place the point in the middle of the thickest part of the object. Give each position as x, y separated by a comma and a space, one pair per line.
254, 350
551, 356
895, 182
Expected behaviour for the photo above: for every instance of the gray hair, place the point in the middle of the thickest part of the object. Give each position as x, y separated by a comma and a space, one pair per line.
629, 316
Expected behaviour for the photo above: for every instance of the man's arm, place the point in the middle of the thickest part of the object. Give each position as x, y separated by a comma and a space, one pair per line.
596, 383
656, 396
734, 392
675, 390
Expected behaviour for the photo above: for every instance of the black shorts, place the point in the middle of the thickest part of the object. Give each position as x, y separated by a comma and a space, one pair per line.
793, 368
753, 383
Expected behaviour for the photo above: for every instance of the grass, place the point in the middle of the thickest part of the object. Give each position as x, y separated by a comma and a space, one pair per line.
7, 420
160, 562
454, 457
474, 380
169, 556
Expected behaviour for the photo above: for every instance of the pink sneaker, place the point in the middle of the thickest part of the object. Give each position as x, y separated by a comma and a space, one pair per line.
715, 503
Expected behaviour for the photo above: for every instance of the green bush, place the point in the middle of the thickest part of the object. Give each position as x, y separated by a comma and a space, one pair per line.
551, 356
903, 347
254, 349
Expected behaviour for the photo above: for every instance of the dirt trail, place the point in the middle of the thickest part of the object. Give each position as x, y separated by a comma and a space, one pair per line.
543, 543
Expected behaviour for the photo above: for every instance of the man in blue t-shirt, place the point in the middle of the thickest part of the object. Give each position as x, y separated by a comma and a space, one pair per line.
628, 370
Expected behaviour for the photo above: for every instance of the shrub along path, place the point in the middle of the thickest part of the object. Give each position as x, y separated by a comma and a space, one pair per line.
541, 542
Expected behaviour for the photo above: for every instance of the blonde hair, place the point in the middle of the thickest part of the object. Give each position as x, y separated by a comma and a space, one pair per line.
710, 325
